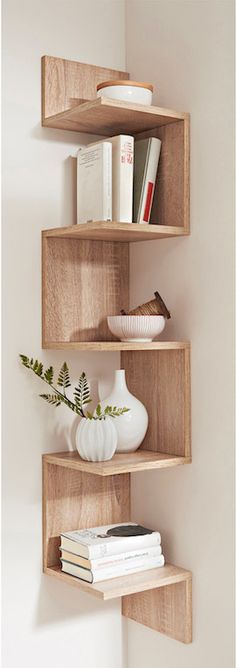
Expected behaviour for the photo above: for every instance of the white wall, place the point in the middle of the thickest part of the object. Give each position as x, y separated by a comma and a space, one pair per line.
45, 623
186, 49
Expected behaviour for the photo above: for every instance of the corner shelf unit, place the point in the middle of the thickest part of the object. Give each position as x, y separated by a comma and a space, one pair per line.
78, 493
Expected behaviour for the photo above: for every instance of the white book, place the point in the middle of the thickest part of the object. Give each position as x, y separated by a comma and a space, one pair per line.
95, 542
94, 183
109, 573
134, 556
146, 158
122, 177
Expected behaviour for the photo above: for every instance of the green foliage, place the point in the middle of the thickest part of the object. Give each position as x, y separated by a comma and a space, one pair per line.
82, 394
64, 377
48, 375
81, 391
51, 399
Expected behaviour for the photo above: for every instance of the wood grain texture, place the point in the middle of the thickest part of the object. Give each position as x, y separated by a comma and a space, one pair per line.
104, 116
112, 346
64, 82
171, 196
83, 282
112, 231
167, 610
161, 381
142, 460
123, 586
73, 500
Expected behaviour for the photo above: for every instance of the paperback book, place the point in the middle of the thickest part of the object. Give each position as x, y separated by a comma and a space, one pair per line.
98, 575
94, 183
100, 541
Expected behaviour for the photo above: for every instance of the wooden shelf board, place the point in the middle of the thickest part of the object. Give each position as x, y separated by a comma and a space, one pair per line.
142, 460
113, 231
113, 346
128, 584
104, 116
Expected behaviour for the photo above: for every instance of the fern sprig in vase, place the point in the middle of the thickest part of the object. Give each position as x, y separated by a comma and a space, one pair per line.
96, 436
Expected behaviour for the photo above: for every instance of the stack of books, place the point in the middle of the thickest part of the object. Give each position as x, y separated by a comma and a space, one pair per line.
106, 552
116, 179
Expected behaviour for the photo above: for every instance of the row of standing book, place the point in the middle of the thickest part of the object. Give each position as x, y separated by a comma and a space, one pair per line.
107, 552
116, 179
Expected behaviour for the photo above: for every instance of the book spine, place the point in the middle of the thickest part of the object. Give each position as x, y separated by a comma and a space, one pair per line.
135, 556
123, 545
127, 569
149, 182
107, 181
123, 180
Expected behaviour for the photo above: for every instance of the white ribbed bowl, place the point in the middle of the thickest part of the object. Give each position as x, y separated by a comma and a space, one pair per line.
136, 327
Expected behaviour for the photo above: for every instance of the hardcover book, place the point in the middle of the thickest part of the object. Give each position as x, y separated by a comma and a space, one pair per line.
146, 158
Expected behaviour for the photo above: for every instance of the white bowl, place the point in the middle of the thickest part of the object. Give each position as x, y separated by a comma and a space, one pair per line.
136, 327
128, 91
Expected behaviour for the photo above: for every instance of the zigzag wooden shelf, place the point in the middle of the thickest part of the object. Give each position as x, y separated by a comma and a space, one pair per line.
78, 494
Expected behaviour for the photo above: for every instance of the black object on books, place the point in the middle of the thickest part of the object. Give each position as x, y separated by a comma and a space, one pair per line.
129, 530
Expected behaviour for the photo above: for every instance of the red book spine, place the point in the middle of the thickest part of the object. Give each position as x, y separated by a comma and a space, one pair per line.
148, 203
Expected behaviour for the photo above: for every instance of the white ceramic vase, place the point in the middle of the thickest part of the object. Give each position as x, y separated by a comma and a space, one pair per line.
132, 426
96, 440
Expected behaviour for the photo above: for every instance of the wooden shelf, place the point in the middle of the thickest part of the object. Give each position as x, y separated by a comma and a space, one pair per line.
142, 460
85, 278
126, 585
104, 116
113, 231
114, 346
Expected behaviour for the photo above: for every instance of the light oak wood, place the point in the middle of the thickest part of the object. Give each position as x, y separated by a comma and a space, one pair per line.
171, 201
167, 610
104, 116
142, 460
161, 381
113, 231
113, 346
66, 81
83, 282
73, 499
156, 578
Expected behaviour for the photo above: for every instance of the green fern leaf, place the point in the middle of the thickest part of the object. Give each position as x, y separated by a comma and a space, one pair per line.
48, 375
52, 399
64, 378
82, 392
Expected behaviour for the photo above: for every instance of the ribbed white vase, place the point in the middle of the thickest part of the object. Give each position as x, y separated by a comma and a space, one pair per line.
96, 440
132, 426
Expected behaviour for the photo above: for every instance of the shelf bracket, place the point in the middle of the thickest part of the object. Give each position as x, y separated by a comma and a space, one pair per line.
167, 609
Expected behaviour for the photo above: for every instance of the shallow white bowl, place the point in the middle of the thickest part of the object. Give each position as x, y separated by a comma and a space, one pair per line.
136, 327
128, 92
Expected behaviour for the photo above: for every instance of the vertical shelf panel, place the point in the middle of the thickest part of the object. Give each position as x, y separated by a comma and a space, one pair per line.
66, 82
86, 280
171, 195
167, 610
161, 380
74, 500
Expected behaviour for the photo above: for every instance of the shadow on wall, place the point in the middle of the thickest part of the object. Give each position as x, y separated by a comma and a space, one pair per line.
58, 602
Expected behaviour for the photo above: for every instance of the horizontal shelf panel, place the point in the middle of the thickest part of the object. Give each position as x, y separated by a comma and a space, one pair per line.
141, 460
128, 584
113, 231
104, 116
113, 346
